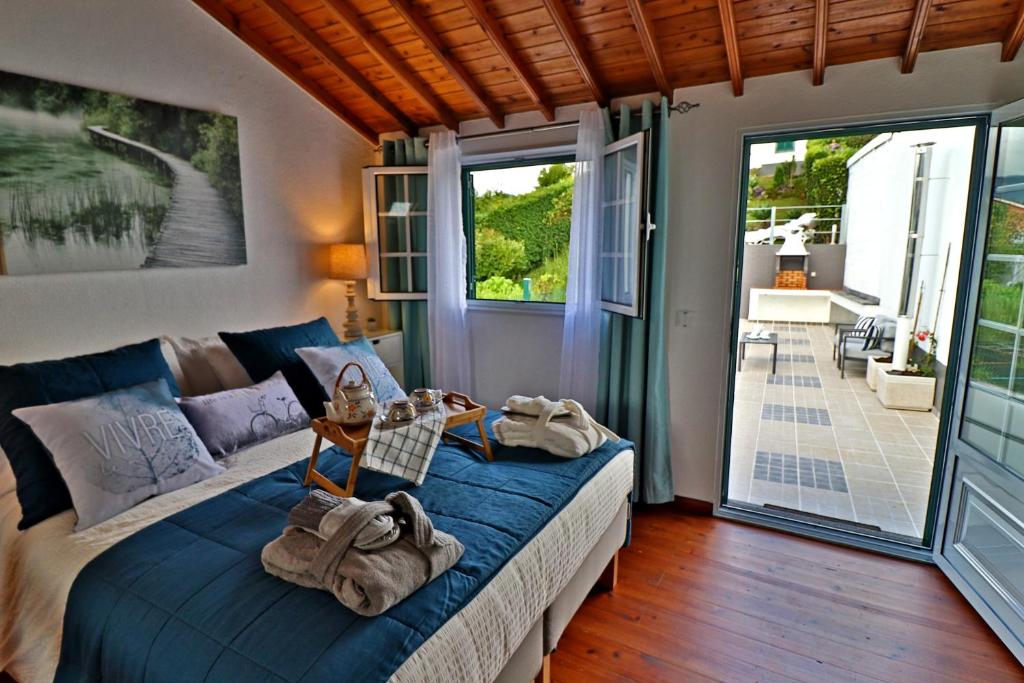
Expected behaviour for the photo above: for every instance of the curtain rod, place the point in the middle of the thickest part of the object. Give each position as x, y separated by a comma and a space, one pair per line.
683, 108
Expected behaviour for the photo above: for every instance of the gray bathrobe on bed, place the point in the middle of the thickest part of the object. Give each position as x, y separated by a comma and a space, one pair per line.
370, 555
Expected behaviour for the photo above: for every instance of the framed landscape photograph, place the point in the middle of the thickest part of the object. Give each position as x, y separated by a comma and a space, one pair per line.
91, 180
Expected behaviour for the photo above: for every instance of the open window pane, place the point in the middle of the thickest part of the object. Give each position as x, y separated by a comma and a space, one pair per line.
622, 226
395, 214
517, 225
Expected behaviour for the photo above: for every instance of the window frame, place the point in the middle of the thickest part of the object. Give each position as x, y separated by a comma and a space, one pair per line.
517, 159
643, 224
371, 233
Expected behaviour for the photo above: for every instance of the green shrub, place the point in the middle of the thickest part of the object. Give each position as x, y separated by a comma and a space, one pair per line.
217, 156
525, 219
555, 173
1000, 303
498, 255
500, 288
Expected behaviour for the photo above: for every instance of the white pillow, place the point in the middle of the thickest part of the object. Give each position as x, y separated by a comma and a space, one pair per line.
119, 448
171, 358
208, 366
7, 482
325, 362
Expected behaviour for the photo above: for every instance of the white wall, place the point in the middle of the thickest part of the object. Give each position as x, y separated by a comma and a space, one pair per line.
300, 179
704, 175
878, 214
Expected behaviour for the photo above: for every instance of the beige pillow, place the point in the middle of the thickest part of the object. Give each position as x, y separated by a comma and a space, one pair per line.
208, 366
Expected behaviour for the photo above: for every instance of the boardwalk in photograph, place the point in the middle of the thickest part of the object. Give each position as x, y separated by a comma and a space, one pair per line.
198, 230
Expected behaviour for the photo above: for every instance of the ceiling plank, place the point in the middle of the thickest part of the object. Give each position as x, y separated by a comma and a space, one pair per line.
732, 45
311, 87
1014, 39
343, 12
577, 48
443, 55
508, 51
332, 59
917, 25
820, 40
646, 30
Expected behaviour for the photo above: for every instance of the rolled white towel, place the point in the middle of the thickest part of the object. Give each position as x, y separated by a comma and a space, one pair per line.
571, 438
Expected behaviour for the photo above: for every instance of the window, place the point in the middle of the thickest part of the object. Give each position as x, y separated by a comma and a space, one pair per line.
395, 220
517, 217
623, 228
784, 146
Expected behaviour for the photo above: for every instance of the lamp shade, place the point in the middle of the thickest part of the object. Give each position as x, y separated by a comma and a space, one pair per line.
348, 262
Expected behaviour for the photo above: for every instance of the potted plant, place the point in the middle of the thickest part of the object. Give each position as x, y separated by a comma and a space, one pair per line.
913, 388
875, 367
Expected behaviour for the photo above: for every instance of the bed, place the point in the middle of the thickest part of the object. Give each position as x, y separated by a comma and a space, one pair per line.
500, 631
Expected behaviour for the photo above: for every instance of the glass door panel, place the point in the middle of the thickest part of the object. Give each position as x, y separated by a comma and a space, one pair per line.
980, 539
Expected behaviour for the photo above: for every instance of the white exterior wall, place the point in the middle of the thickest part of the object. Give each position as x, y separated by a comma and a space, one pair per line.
764, 154
878, 213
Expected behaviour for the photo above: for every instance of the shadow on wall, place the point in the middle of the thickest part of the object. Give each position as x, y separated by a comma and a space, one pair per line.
827, 263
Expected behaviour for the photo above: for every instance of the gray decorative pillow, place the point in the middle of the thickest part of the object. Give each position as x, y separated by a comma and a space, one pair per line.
325, 362
231, 420
117, 449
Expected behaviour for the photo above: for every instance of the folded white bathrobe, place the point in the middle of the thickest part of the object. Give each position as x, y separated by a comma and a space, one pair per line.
563, 428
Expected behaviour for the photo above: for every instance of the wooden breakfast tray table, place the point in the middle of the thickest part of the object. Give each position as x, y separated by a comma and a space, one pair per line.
460, 410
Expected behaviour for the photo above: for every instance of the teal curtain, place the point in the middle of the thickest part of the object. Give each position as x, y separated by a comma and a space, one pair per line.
633, 384
410, 316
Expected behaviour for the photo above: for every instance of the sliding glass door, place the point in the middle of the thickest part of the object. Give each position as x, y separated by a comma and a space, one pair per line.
980, 542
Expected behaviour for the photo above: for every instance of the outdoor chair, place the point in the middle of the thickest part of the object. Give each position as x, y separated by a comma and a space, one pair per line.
857, 329
876, 342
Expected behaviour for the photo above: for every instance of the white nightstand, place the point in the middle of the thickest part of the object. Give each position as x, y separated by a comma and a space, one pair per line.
389, 346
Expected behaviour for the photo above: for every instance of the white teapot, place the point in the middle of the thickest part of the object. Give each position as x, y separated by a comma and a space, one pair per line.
354, 403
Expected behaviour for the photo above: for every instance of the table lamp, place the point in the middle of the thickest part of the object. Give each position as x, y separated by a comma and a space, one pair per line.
348, 262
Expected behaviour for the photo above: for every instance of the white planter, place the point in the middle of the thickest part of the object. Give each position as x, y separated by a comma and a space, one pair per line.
874, 369
905, 392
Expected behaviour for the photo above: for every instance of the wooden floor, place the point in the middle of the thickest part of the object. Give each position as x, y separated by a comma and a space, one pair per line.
701, 599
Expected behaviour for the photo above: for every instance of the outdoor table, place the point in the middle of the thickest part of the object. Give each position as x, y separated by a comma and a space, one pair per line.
773, 340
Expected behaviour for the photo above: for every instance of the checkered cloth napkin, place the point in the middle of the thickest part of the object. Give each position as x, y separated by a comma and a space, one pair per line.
405, 450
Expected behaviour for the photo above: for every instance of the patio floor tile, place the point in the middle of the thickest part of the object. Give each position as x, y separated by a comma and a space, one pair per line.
806, 425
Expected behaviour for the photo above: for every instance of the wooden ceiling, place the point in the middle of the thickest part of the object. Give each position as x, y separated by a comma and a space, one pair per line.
388, 65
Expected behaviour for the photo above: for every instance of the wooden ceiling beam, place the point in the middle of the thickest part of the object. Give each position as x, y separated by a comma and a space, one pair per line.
820, 40
917, 25
304, 34
732, 45
311, 87
442, 54
577, 48
508, 52
646, 30
1014, 39
343, 12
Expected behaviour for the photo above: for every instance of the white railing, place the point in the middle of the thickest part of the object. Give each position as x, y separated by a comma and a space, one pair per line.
828, 229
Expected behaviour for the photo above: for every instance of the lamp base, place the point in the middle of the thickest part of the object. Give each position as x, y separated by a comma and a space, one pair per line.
352, 328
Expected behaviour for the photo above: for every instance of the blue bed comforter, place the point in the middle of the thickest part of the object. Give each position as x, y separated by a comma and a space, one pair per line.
187, 599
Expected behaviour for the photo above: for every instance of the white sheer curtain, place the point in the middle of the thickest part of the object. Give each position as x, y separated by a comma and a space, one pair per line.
581, 332
446, 266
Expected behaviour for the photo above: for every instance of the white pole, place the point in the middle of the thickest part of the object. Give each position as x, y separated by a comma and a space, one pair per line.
901, 346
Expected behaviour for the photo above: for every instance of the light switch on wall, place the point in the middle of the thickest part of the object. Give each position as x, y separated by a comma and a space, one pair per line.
681, 318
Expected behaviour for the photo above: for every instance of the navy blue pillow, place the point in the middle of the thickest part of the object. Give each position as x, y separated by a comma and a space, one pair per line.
264, 352
41, 490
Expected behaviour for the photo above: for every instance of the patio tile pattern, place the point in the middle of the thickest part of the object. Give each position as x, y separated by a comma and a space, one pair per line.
795, 357
883, 458
801, 414
801, 471
795, 380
